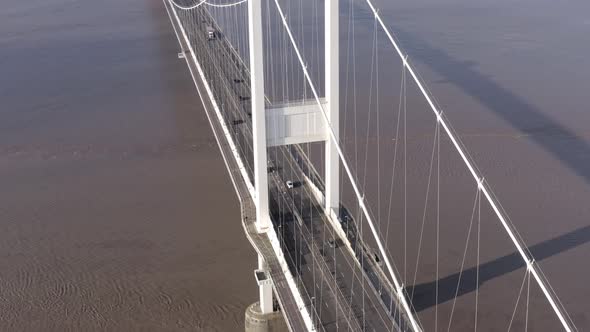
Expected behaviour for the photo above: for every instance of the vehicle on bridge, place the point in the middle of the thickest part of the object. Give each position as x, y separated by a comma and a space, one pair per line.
211, 33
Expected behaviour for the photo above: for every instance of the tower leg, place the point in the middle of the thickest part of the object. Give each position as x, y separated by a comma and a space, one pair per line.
264, 289
258, 116
260, 316
332, 45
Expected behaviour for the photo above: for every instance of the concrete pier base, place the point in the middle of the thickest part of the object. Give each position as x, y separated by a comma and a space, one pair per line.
256, 321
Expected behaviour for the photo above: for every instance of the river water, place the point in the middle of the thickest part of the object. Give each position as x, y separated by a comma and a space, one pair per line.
116, 212
513, 79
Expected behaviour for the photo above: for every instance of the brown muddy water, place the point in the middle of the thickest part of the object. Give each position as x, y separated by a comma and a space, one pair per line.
116, 212
513, 78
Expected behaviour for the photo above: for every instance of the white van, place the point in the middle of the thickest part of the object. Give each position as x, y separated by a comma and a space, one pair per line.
210, 33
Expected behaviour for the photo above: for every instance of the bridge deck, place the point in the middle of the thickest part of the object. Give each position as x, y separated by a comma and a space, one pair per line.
260, 242
332, 288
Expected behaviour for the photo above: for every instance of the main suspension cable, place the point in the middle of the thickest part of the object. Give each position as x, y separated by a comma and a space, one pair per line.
398, 285
207, 3
516, 239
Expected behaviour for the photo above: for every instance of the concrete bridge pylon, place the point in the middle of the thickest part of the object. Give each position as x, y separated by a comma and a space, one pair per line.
261, 138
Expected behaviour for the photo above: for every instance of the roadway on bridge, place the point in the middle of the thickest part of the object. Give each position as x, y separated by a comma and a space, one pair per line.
328, 275
342, 293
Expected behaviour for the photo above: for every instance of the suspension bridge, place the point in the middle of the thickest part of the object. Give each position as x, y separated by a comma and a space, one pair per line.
326, 182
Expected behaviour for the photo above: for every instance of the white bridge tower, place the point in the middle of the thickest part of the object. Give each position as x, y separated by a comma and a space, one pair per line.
298, 123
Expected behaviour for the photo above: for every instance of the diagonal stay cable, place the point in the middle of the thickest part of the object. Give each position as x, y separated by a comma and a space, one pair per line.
463, 260
399, 287
526, 273
517, 241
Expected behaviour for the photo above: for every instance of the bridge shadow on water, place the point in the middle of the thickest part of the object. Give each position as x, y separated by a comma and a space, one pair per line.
425, 294
547, 132
553, 137
556, 139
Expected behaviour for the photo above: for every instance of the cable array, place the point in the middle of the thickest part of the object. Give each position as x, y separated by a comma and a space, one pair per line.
298, 218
